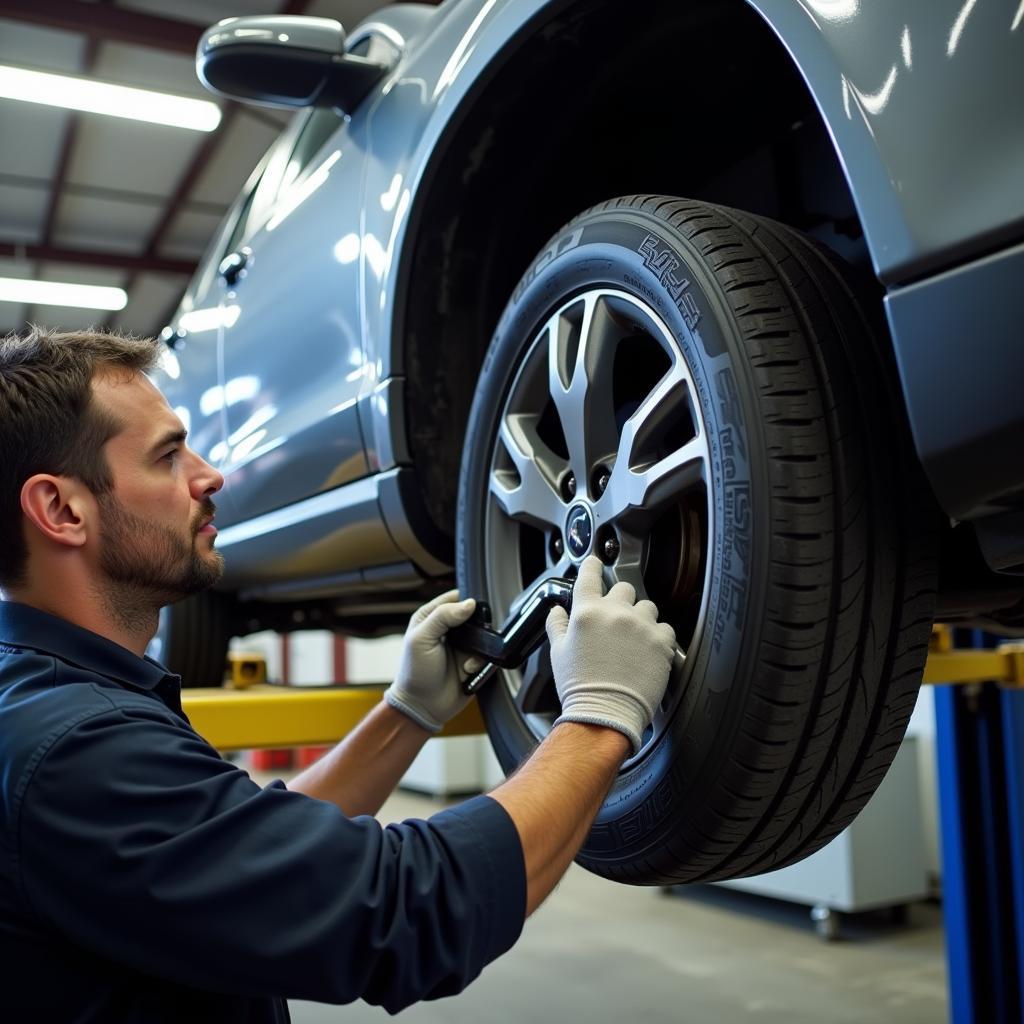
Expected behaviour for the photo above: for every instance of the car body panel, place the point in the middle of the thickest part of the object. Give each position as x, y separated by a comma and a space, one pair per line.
295, 432
891, 81
190, 372
923, 103
319, 319
965, 413
296, 549
185, 374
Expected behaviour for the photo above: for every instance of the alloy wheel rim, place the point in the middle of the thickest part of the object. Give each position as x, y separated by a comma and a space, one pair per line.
601, 428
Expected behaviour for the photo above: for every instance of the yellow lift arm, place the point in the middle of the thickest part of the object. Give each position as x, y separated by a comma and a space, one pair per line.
292, 716
248, 713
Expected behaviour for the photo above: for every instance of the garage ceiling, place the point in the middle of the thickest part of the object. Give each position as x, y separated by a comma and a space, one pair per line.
90, 199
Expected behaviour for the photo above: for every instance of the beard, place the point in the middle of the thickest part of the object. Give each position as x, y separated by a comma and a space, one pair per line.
148, 566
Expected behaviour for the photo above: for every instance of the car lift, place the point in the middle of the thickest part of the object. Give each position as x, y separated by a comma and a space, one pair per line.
979, 745
979, 735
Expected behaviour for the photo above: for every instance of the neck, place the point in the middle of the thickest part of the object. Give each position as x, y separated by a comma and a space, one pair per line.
125, 618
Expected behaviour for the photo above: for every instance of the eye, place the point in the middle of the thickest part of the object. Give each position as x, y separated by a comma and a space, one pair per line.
169, 456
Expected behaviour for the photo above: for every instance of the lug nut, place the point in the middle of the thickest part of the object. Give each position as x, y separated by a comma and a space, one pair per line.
570, 485
602, 481
557, 547
610, 550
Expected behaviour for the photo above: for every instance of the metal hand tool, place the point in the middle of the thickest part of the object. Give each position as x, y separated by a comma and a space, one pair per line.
521, 634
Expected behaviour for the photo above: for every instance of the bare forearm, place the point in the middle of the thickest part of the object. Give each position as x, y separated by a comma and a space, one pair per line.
361, 772
555, 796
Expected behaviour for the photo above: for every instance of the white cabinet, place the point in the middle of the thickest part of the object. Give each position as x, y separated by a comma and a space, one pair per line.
877, 861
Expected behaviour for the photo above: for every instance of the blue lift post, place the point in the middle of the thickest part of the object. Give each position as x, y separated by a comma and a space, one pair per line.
980, 752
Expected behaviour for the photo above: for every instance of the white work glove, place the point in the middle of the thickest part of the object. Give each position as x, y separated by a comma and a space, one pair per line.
611, 657
428, 687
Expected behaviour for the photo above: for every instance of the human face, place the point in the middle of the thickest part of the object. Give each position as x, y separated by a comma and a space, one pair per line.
156, 537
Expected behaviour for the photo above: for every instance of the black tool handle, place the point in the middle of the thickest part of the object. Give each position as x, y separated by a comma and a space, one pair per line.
520, 636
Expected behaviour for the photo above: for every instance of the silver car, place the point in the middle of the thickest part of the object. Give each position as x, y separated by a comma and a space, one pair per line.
723, 291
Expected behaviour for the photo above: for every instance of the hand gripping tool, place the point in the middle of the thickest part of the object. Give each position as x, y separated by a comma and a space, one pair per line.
521, 634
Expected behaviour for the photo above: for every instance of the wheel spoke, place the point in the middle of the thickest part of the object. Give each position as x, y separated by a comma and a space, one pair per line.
529, 494
640, 481
668, 477
629, 566
581, 357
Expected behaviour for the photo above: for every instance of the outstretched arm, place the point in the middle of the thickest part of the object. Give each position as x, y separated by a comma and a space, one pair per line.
554, 798
611, 661
362, 771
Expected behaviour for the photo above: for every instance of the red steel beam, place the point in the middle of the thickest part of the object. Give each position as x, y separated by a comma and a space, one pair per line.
92, 258
119, 24
203, 155
119, 195
200, 160
101, 21
67, 148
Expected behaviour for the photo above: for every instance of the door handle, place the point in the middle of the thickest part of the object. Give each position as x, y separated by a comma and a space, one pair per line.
232, 267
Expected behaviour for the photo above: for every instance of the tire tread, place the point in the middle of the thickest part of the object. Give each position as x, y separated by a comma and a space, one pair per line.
858, 634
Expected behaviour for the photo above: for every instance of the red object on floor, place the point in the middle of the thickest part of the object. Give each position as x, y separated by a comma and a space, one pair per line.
305, 756
270, 760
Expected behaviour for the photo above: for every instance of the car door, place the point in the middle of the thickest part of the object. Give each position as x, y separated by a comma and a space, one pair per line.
188, 372
292, 351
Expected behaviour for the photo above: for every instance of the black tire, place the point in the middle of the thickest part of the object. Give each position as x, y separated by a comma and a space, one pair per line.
192, 639
818, 590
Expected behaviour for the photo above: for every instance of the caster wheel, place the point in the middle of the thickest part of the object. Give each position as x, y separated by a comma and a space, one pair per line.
899, 914
826, 922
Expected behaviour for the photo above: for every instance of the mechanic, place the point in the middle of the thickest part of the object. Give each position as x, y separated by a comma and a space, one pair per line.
145, 878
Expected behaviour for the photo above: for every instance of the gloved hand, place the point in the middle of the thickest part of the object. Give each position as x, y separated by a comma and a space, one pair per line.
428, 687
611, 657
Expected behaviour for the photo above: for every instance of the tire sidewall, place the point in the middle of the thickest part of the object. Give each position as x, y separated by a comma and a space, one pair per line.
643, 255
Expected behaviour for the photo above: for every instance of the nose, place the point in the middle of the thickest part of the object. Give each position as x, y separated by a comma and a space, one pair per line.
205, 480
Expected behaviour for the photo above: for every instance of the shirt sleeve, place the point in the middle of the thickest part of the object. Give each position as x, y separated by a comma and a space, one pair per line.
137, 841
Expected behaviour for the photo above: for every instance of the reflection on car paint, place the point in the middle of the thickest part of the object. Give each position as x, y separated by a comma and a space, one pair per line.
209, 319
238, 389
298, 194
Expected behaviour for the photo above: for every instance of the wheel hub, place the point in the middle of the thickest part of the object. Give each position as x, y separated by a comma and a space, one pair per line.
579, 532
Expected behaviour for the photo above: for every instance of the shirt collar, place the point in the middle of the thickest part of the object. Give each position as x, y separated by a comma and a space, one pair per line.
24, 626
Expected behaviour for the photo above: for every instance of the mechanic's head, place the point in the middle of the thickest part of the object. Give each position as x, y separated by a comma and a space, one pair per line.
97, 485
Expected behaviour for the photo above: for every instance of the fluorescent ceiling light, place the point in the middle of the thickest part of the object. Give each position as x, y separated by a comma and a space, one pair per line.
94, 97
52, 293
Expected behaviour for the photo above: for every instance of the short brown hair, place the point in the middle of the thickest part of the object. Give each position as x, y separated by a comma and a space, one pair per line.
48, 422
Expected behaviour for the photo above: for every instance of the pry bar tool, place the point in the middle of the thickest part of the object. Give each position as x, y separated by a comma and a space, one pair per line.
520, 636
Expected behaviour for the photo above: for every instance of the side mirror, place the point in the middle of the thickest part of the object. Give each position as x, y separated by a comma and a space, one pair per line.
284, 61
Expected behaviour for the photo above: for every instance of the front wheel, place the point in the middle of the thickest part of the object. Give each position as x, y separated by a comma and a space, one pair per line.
192, 638
695, 395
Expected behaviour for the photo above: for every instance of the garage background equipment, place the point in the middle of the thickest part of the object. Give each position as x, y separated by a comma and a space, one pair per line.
877, 861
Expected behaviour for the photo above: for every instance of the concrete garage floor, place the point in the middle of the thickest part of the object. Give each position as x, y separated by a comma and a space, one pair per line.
602, 953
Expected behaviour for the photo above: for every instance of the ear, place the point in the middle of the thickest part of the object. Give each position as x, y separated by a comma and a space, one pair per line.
58, 507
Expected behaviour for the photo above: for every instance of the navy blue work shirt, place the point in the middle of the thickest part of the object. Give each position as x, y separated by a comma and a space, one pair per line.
144, 878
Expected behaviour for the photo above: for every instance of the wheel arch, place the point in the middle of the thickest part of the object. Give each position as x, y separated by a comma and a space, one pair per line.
750, 133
